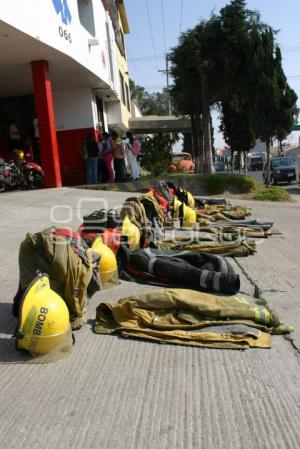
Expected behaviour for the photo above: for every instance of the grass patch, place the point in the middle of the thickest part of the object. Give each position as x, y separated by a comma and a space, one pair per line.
215, 184
223, 183
272, 193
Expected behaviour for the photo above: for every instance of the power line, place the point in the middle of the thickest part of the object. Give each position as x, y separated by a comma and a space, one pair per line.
151, 33
163, 23
181, 13
137, 69
147, 58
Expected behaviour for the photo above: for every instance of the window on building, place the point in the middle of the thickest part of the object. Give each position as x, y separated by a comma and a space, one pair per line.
123, 95
86, 15
120, 42
127, 96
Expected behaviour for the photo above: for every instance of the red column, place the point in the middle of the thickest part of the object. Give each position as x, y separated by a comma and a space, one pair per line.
45, 115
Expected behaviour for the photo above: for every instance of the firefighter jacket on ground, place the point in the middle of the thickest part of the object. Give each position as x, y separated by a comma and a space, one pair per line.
190, 318
247, 223
237, 248
72, 268
215, 213
187, 269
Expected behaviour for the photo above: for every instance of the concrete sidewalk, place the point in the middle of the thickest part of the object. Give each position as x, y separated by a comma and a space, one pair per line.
125, 394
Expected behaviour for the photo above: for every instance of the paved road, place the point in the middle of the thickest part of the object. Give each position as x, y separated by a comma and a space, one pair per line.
126, 394
256, 175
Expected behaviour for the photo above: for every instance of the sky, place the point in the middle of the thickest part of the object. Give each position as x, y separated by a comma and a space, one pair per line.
155, 26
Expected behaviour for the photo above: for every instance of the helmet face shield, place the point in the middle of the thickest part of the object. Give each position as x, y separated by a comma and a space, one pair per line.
108, 267
57, 347
44, 325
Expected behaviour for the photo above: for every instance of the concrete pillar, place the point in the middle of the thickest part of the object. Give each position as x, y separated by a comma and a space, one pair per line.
46, 120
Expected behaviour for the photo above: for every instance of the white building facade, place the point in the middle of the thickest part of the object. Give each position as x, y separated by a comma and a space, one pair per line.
64, 62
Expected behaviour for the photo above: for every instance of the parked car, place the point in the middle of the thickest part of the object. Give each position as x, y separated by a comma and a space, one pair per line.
256, 162
219, 166
182, 162
283, 169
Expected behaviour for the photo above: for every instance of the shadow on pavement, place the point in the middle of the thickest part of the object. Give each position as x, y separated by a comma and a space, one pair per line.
9, 354
8, 323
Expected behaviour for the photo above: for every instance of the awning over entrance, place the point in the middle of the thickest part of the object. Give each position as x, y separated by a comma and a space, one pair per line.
156, 123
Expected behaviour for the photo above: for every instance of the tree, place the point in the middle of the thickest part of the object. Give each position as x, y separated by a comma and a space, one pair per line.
156, 153
185, 90
155, 103
238, 104
196, 71
238, 129
288, 111
207, 68
276, 102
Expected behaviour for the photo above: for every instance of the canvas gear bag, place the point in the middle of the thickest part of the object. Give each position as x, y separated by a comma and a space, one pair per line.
73, 271
145, 213
163, 203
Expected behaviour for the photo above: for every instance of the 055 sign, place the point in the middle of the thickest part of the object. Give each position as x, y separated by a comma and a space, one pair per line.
65, 34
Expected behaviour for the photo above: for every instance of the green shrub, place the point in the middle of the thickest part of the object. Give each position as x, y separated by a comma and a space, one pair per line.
156, 155
221, 182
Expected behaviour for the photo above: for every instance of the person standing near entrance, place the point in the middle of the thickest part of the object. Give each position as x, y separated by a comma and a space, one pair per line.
92, 159
133, 148
102, 169
15, 141
36, 140
119, 157
107, 154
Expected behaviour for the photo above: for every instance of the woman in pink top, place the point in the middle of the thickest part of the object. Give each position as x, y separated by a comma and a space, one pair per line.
107, 154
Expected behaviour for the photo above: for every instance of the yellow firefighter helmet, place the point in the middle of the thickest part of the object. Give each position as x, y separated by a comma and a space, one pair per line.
190, 200
19, 155
176, 206
108, 267
132, 232
188, 217
44, 322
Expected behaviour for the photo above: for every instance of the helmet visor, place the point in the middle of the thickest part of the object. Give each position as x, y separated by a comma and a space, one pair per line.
47, 349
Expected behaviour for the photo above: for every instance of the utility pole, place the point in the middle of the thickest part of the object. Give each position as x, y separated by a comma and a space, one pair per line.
167, 71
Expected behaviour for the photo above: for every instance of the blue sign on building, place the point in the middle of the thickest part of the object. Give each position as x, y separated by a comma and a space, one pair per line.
62, 8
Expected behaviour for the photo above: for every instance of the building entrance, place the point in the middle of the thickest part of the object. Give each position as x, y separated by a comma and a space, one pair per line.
21, 112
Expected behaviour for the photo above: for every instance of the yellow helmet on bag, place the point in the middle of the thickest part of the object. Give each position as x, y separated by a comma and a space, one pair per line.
44, 322
132, 232
108, 267
190, 200
19, 154
176, 206
188, 217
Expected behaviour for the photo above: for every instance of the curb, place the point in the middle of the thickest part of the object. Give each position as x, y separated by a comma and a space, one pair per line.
142, 185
